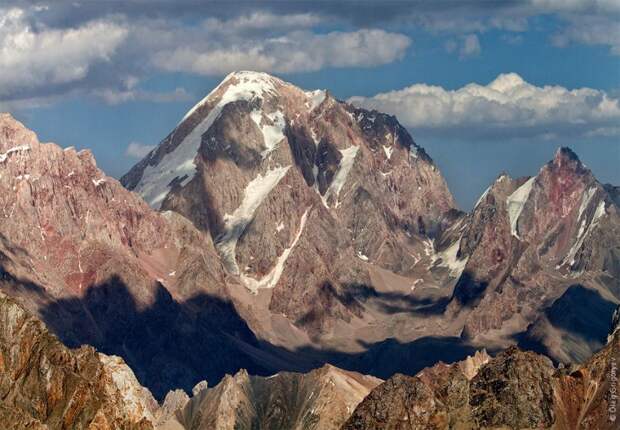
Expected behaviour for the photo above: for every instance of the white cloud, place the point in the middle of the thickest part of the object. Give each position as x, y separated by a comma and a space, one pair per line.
138, 150
66, 48
109, 54
506, 108
261, 20
32, 58
292, 52
113, 97
590, 22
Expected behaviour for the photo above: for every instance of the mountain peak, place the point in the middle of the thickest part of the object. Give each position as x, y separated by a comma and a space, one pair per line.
250, 75
566, 162
259, 81
6, 119
564, 154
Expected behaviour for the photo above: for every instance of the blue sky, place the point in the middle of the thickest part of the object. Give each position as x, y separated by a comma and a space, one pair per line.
107, 75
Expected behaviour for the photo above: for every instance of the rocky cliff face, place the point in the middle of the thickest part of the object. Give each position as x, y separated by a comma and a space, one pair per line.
322, 399
100, 267
43, 384
72, 227
541, 251
515, 389
303, 195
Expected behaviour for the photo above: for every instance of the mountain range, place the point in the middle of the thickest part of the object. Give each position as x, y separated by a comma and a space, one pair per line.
275, 231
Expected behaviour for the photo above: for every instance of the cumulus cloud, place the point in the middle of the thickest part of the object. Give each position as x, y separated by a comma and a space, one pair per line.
65, 47
506, 108
32, 58
292, 52
138, 150
86, 48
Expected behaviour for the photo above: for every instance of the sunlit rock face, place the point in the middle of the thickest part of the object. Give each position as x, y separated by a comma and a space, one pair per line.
307, 199
543, 262
322, 399
47, 385
515, 389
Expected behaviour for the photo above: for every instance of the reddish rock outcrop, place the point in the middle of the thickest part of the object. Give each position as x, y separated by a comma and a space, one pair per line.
100, 267
539, 250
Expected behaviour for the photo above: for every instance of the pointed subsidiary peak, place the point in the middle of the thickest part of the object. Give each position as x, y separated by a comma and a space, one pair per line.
502, 186
566, 162
502, 177
565, 154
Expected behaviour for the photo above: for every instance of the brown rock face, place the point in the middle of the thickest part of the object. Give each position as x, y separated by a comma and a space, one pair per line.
541, 251
515, 389
322, 399
43, 384
302, 194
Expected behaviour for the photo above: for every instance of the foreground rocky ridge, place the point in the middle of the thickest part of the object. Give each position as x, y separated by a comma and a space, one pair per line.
322, 399
516, 389
44, 384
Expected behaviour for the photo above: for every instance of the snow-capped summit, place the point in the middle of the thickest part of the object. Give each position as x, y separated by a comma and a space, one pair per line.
294, 184
176, 165
249, 85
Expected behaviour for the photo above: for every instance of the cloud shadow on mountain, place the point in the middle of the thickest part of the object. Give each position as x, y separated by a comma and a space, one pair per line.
580, 312
468, 291
167, 344
392, 302
175, 345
